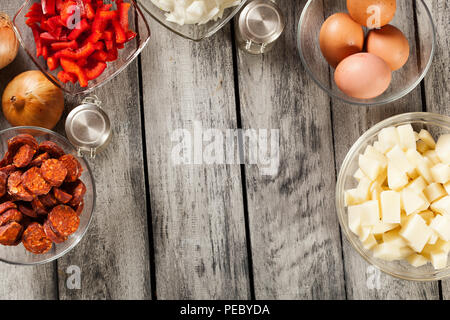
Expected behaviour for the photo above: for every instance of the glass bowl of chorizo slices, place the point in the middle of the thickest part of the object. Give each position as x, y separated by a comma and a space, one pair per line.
47, 196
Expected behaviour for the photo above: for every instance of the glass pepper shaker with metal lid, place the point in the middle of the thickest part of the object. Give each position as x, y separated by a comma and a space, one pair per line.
258, 26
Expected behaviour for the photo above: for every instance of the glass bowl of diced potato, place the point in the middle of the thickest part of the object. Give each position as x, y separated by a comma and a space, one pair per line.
393, 196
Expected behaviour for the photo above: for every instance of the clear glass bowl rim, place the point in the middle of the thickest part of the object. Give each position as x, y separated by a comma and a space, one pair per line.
75, 243
98, 85
393, 98
204, 36
412, 117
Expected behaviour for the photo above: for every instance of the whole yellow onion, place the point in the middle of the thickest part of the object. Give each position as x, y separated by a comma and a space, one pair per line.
9, 45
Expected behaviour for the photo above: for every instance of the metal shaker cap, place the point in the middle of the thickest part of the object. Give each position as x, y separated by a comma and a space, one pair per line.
261, 21
88, 127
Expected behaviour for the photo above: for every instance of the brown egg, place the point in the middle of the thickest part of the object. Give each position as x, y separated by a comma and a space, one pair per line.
340, 37
363, 76
372, 13
390, 44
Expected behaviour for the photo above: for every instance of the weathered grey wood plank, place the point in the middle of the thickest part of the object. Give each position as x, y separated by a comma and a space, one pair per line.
17, 282
114, 255
293, 226
437, 82
349, 122
197, 210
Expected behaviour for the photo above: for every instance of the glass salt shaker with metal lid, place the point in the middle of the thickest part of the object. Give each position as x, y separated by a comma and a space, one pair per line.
258, 26
88, 127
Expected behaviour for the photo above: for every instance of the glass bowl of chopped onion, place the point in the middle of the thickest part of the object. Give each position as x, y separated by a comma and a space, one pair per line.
405, 263
192, 19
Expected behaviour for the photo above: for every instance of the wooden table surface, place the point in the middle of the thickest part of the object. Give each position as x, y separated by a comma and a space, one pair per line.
162, 231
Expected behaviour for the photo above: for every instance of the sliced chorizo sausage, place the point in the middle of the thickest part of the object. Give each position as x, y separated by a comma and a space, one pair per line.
5, 206
10, 234
39, 207
52, 149
11, 215
37, 161
24, 156
7, 159
35, 183
79, 208
35, 240
78, 190
63, 220
48, 200
61, 196
73, 167
27, 210
8, 169
54, 172
51, 234
16, 188
16, 142
3, 181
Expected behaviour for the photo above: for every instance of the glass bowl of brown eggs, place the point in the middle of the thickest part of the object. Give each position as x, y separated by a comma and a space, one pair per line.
366, 52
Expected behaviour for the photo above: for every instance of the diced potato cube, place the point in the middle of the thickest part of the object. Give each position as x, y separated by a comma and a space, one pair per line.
398, 158
370, 242
397, 179
406, 136
443, 148
442, 206
354, 219
417, 185
423, 167
390, 206
359, 175
416, 233
394, 237
380, 147
422, 147
362, 190
433, 239
387, 251
426, 137
432, 156
427, 215
368, 213
388, 137
351, 197
441, 172
439, 260
381, 228
375, 191
447, 187
440, 245
370, 167
434, 192
364, 232
405, 252
413, 202
373, 153
417, 260
441, 225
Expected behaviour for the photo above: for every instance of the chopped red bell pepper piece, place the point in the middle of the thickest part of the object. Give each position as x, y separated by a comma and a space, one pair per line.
107, 15
52, 63
94, 37
57, 46
59, 5
100, 55
96, 71
121, 37
82, 62
131, 35
35, 9
106, 7
90, 13
48, 7
120, 46
71, 67
32, 20
46, 36
45, 52
81, 27
112, 55
65, 77
67, 11
124, 7
37, 40
109, 44
83, 52
99, 46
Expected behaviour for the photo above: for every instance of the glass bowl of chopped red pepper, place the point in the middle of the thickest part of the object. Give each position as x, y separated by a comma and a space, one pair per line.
81, 44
